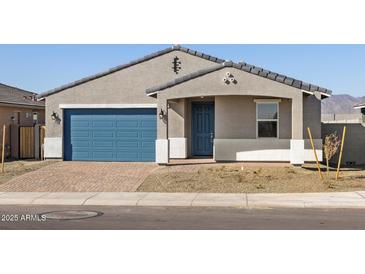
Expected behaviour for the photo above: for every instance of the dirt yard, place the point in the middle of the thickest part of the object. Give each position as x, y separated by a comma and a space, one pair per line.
248, 179
16, 168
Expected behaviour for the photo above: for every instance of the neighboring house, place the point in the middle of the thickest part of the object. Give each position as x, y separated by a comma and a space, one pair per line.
19, 107
179, 103
354, 147
360, 106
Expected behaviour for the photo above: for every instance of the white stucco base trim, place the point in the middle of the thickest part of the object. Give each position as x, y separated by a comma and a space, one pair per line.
257, 150
53, 147
266, 150
62, 106
178, 148
297, 152
264, 155
162, 151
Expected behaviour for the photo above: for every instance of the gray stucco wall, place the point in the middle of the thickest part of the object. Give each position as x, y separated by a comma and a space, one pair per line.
127, 86
354, 148
240, 121
311, 116
177, 115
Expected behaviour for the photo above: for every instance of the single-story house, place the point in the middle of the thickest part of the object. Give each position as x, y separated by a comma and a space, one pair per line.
179, 103
18, 107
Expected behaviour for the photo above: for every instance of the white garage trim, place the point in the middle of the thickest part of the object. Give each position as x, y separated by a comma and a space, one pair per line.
162, 151
53, 147
62, 106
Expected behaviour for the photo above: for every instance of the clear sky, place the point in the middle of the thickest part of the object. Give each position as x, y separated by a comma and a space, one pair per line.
42, 67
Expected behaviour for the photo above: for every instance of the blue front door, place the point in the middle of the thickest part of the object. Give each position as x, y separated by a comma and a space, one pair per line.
202, 128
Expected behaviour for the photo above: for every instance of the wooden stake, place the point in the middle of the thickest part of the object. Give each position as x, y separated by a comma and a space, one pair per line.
315, 153
340, 158
3, 150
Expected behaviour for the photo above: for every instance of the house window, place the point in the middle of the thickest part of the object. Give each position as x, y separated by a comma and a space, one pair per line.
267, 119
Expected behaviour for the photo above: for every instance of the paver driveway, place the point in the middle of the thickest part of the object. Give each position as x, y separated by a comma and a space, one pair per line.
82, 176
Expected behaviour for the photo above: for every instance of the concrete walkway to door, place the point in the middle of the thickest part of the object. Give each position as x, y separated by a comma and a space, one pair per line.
82, 177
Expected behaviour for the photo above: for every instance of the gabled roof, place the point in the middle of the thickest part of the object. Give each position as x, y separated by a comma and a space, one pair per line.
132, 63
361, 105
310, 88
16, 96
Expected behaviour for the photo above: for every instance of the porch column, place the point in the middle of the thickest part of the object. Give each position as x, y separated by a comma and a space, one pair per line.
162, 142
297, 142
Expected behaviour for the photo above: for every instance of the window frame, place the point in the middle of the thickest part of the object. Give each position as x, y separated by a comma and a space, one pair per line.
277, 120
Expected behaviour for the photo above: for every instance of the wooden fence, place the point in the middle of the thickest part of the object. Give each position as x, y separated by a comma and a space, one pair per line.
26, 147
27, 141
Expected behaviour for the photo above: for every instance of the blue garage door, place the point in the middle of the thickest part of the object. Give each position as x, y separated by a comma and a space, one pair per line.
119, 135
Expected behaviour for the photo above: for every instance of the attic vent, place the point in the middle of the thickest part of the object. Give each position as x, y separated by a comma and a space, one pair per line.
176, 65
229, 78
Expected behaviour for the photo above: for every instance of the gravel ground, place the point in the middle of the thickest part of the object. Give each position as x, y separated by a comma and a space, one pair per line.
16, 168
237, 179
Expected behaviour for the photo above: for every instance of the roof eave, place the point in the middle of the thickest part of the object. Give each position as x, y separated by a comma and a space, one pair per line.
3, 103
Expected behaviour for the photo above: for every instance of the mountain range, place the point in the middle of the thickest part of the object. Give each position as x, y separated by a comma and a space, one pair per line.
341, 104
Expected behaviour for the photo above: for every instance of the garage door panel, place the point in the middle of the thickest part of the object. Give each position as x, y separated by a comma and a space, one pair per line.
148, 156
148, 144
149, 134
148, 124
80, 133
80, 123
82, 154
110, 134
127, 156
103, 124
103, 155
104, 134
127, 124
127, 144
104, 144
77, 143
127, 134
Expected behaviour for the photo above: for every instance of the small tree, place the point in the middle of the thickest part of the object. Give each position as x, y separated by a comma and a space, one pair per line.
330, 147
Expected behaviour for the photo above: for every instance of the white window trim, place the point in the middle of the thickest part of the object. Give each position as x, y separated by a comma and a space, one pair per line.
267, 101
62, 106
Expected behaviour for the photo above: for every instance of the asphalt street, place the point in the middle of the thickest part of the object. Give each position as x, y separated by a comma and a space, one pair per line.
138, 217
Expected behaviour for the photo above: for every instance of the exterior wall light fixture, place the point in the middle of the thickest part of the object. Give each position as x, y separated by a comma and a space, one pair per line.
54, 116
161, 115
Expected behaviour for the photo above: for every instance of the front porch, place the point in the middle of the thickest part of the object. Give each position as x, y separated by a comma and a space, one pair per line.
247, 119
227, 128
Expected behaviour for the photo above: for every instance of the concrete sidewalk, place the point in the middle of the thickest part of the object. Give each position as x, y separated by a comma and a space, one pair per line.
288, 200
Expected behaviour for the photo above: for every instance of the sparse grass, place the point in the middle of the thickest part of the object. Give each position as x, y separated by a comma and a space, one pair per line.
17, 168
234, 179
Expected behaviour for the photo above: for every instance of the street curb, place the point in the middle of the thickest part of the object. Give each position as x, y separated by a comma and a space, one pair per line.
237, 200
